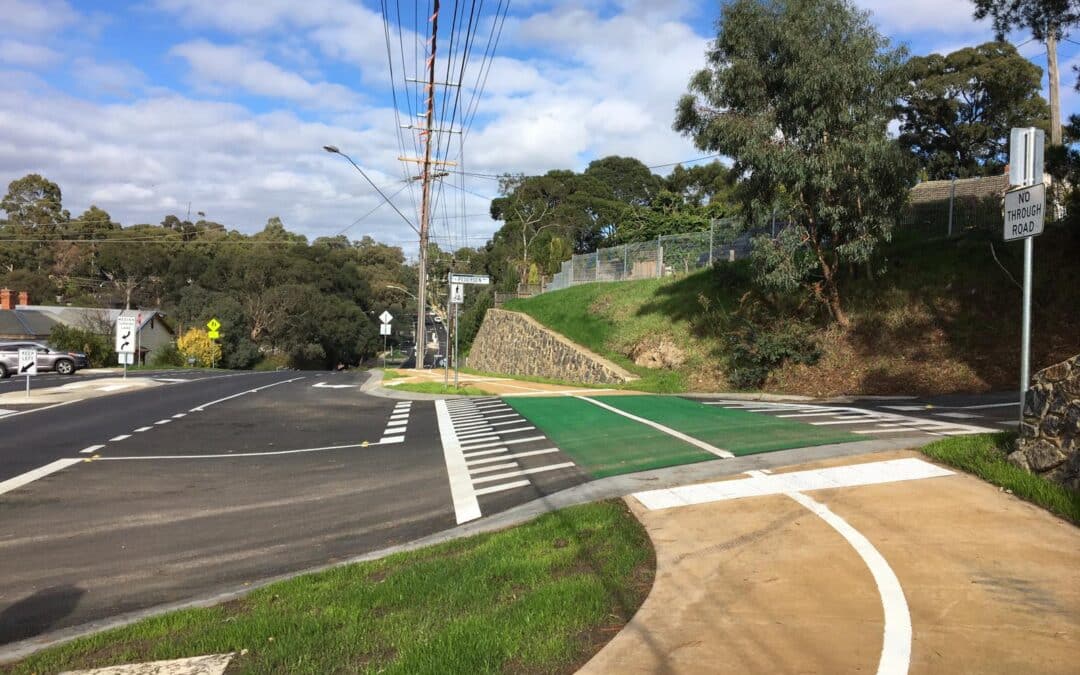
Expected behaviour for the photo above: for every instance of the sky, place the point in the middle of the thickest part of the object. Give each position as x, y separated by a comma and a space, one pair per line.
222, 107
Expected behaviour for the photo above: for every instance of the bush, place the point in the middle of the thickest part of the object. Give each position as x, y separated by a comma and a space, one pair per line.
196, 344
98, 348
754, 351
167, 356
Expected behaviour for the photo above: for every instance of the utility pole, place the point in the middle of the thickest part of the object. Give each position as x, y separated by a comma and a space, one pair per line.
425, 200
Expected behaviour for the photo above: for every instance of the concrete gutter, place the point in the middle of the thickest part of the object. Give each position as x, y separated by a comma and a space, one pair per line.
605, 488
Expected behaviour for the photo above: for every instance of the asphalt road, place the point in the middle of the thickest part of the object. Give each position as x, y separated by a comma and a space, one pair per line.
50, 380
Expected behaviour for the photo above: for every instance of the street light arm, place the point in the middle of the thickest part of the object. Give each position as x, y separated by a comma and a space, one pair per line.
334, 150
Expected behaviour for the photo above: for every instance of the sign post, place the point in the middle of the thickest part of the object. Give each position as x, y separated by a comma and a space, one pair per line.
457, 298
27, 365
125, 340
384, 330
1024, 215
212, 327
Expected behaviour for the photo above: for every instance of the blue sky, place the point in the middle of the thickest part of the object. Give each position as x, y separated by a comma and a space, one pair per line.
144, 107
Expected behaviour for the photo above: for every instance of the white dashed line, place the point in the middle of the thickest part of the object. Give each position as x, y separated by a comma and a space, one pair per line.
92, 448
142, 429
179, 415
119, 438
160, 422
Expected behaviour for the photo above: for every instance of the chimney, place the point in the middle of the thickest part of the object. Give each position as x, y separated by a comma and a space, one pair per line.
24, 298
5, 299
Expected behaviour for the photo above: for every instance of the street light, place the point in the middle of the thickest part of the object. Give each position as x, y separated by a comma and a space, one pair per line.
333, 149
400, 288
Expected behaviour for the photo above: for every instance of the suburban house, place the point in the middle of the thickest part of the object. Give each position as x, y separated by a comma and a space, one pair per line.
19, 320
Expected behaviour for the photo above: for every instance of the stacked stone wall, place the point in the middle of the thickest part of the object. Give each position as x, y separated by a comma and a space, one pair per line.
1049, 442
511, 343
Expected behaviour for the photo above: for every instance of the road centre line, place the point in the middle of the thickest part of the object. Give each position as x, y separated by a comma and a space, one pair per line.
119, 438
204, 406
466, 507
179, 415
524, 472
142, 429
92, 448
517, 455
40, 472
160, 422
233, 455
660, 427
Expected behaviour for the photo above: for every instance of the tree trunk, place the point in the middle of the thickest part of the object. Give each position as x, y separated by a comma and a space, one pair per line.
831, 290
1055, 90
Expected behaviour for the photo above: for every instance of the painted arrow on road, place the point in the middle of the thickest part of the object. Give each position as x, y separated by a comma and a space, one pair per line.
323, 385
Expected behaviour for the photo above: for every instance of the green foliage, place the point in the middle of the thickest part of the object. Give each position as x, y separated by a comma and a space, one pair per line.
755, 350
167, 356
196, 344
98, 348
1042, 17
799, 93
958, 110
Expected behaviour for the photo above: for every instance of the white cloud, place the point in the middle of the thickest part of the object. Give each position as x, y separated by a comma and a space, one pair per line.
114, 79
225, 66
935, 16
21, 17
25, 54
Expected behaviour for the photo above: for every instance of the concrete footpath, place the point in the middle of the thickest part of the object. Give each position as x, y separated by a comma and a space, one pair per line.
877, 563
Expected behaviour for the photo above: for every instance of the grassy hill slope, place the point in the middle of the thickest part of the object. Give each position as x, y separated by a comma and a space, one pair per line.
944, 317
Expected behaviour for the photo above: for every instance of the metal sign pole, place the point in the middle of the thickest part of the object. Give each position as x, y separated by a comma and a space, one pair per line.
456, 367
28, 385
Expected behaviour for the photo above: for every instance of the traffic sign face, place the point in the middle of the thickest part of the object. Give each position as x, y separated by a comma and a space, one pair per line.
27, 362
213, 325
213, 334
457, 293
386, 317
481, 279
384, 329
126, 359
125, 335
1025, 211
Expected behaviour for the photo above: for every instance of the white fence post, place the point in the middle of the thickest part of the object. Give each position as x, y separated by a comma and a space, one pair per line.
659, 257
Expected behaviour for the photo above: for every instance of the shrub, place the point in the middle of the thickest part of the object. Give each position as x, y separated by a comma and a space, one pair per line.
98, 348
167, 356
754, 350
196, 344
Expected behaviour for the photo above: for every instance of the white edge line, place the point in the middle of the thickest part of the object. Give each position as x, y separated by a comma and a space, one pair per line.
896, 646
466, 507
40, 472
47, 407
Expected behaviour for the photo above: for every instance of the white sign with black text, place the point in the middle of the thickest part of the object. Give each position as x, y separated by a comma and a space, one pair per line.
125, 335
384, 329
27, 361
481, 279
1025, 211
457, 293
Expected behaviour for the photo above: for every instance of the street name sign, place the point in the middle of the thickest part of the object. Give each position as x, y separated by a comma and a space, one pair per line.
1025, 211
386, 317
125, 335
27, 361
457, 293
481, 279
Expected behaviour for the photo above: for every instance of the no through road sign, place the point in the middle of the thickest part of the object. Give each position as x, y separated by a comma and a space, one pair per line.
1025, 211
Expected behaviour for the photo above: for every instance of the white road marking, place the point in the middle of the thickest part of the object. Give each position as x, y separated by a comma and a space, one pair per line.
387, 440
849, 420
468, 441
235, 455
984, 406
472, 462
524, 472
872, 473
518, 430
160, 422
142, 429
397, 423
485, 452
40, 472
34, 410
502, 488
204, 406
401, 416
896, 647
495, 467
906, 408
1010, 423
179, 415
115, 387
956, 415
476, 435
820, 413
466, 507
516, 440
119, 438
92, 448
660, 427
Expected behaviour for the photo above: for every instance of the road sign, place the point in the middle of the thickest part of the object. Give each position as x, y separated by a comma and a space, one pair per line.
213, 325
1025, 211
213, 334
384, 329
27, 361
125, 359
457, 293
125, 335
481, 279
386, 317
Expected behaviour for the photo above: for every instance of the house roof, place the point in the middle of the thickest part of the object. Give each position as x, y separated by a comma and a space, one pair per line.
96, 319
21, 323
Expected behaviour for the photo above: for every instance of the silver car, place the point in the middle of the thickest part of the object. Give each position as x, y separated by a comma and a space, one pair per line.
62, 362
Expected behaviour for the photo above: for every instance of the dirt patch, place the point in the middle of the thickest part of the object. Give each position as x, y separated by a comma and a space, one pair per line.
657, 352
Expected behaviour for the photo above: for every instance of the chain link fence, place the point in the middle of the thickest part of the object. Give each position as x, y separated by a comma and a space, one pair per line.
666, 255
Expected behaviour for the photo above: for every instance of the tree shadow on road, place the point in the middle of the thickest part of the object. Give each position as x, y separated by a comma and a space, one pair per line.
36, 613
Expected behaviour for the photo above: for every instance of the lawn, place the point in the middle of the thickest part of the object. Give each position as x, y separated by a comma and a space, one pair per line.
538, 598
439, 388
984, 456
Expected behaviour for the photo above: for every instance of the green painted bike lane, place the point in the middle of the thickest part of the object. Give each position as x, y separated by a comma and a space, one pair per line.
605, 443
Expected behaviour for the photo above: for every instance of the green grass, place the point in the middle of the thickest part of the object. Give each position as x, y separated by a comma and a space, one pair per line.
439, 388
537, 598
737, 431
984, 456
601, 442
390, 374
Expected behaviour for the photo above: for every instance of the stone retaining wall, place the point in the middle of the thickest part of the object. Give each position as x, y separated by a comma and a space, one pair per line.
512, 343
1049, 442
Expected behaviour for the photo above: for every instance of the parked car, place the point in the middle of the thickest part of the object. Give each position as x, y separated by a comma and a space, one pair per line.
48, 358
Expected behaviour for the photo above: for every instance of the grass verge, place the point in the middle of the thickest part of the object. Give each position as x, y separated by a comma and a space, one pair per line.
391, 374
538, 598
984, 456
439, 388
